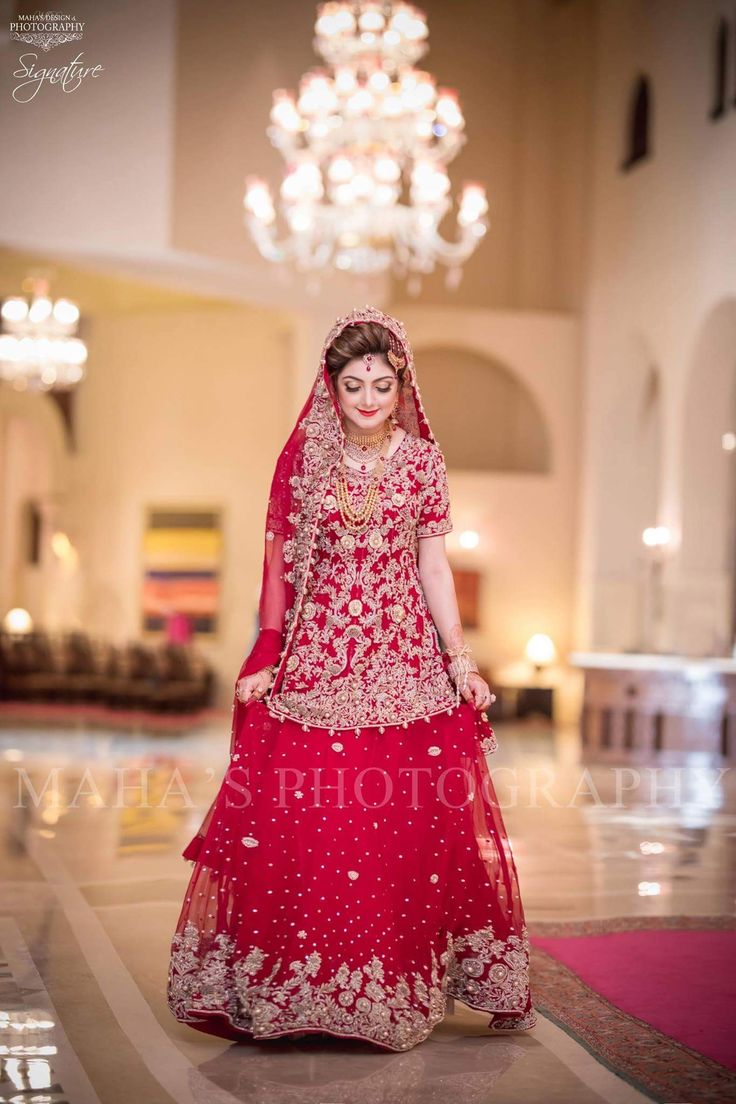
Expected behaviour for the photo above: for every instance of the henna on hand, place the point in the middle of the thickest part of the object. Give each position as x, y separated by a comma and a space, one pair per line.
455, 638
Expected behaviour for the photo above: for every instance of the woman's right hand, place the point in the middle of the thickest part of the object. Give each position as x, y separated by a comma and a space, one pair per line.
254, 686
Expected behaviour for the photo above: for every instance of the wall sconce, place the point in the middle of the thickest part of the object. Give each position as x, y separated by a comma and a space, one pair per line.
469, 539
18, 622
656, 540
63, 549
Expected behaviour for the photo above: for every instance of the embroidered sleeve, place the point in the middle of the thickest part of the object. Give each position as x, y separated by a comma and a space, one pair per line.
434, 497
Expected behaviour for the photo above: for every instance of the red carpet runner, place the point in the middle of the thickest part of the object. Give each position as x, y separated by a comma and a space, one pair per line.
653, 998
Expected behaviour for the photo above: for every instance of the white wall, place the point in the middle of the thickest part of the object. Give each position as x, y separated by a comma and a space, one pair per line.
90, 169
661, 248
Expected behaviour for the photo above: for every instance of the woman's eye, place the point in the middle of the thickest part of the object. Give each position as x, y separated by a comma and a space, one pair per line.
354, 390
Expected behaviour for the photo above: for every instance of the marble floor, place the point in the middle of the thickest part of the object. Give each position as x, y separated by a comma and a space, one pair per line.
93, 879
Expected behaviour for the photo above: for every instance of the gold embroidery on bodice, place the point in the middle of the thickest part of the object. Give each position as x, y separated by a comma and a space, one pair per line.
365, 649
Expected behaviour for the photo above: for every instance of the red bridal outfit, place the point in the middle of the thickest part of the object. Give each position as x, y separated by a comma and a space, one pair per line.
354, 870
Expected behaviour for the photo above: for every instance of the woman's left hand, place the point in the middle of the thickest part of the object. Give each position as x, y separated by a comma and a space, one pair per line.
477, 691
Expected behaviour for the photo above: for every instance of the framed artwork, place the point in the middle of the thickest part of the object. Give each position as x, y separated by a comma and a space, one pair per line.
182, 567
467, 588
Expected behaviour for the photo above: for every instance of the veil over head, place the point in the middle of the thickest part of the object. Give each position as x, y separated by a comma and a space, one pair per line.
300, 482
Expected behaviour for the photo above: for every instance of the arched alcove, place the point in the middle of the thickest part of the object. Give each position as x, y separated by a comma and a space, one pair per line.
483, 415
707, 560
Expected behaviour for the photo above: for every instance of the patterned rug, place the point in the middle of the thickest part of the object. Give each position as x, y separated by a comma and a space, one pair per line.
655, 1063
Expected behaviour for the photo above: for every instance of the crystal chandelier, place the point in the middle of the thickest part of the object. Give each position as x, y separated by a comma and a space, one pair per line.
366, 147
38, 347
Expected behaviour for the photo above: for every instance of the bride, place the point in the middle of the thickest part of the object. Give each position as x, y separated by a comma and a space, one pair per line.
354, 871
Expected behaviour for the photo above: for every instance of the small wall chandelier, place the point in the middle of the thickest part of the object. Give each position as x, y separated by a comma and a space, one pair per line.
39, 349
366, 144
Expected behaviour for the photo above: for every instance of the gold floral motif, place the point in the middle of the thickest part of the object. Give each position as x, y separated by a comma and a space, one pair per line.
249, 841
257, 992
435, 497
397, 360
353, 874
398, 612
309, 610
355, 607
505, 963
434, 751
292, 663
398, 498
322, 449
347, 540
375, 538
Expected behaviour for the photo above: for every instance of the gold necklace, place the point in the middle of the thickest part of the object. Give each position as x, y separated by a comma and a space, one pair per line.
353, 518
365, 447
368, 438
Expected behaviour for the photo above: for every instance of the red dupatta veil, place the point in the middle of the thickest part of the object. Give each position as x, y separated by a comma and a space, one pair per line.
299, 484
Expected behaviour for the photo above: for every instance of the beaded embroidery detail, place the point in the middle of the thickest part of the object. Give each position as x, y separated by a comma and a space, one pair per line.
364, 650
502, 988
264, 1000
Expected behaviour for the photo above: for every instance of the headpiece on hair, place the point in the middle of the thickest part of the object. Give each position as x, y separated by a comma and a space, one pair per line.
395, 354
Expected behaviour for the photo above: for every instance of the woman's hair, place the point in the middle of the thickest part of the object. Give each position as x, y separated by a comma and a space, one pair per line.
356, 341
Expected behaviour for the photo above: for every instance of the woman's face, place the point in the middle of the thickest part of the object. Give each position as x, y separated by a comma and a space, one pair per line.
366, 393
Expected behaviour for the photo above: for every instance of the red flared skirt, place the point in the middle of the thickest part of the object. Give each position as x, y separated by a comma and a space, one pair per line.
348, 883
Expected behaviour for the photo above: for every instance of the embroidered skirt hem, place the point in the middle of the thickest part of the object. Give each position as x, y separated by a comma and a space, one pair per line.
351, 886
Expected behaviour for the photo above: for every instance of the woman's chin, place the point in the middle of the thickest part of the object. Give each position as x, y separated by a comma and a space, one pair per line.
368, 424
